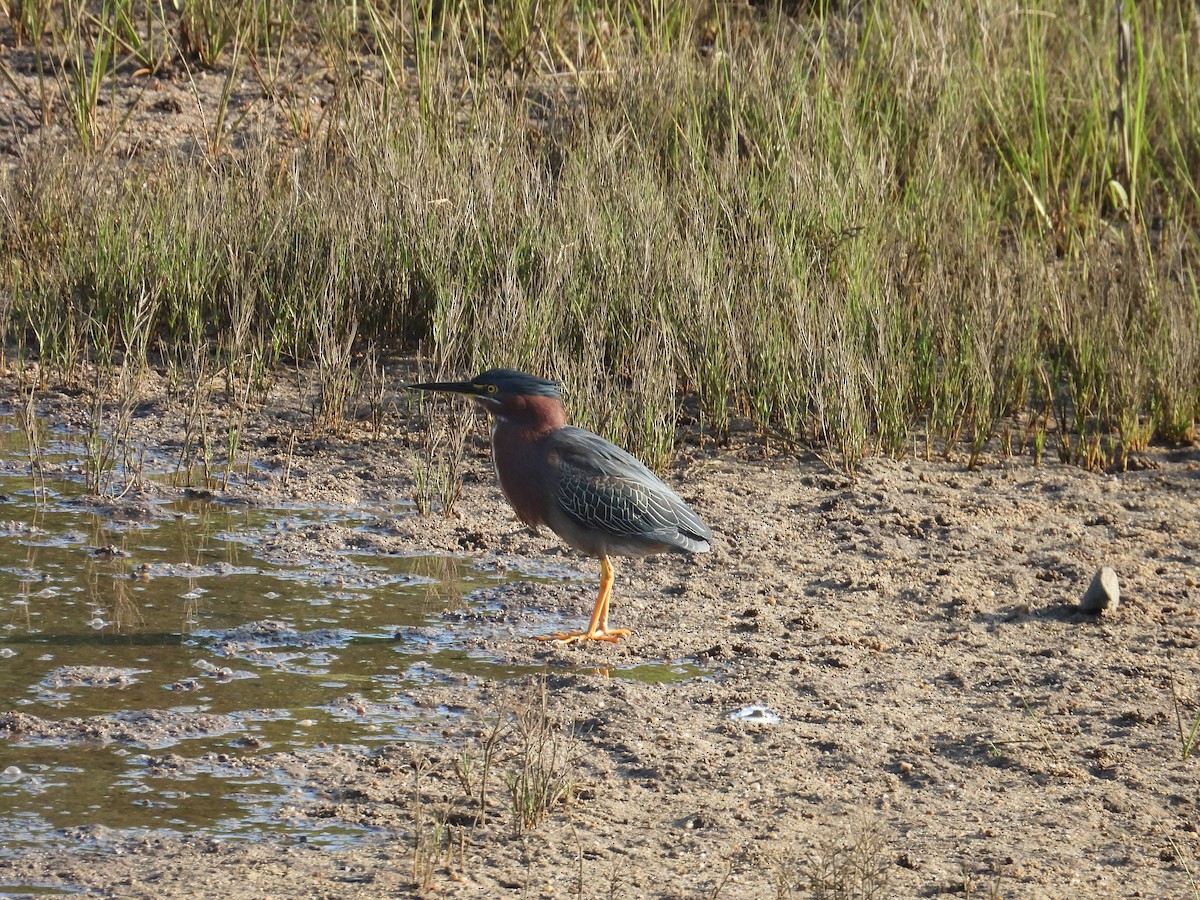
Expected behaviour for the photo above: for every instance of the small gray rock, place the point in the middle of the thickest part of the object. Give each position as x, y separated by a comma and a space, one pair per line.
1103, 593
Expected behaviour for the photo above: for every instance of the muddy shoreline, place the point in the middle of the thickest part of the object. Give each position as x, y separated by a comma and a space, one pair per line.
947, 716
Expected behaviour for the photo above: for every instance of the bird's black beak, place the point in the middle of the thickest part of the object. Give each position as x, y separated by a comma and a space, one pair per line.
448, 387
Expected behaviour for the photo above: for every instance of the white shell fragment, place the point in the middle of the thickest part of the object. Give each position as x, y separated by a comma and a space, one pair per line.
755, 715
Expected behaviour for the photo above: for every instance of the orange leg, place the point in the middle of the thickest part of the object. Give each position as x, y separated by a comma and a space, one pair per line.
597, 629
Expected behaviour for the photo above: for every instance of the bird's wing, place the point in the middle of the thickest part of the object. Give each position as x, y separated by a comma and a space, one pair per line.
602, 487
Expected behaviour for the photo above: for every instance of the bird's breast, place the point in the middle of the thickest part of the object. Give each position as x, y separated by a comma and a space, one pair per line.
523, 470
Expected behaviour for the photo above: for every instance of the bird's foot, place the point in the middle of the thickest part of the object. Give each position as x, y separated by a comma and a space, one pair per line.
612, 635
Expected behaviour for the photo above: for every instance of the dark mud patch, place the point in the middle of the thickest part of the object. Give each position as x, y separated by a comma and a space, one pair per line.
90, 676
147, 728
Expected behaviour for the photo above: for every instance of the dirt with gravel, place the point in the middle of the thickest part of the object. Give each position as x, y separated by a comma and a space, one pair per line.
937, 716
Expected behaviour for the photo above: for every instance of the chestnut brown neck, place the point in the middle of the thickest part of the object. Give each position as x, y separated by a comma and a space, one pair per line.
531, 414
520, 453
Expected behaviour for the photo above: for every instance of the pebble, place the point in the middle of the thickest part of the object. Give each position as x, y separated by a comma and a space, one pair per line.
1103, 593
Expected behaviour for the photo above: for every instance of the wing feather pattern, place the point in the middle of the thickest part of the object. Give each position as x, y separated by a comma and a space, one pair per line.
601, 487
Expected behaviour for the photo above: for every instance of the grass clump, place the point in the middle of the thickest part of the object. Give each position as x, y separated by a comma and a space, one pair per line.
868, 229
854, 864
524, 764
543, 773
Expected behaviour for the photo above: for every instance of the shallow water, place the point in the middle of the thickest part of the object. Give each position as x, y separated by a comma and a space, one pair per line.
180, 611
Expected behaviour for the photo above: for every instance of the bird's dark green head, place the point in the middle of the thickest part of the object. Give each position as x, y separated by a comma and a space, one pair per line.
497, 389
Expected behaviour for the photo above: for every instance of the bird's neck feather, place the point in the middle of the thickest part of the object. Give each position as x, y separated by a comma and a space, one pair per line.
533, 417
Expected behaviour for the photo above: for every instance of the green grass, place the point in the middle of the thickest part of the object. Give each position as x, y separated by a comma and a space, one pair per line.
1188, 725
916, 226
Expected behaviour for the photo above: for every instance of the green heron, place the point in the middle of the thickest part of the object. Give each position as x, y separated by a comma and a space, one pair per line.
589, 492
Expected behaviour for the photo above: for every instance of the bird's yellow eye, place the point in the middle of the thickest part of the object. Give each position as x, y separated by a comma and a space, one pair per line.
491, 388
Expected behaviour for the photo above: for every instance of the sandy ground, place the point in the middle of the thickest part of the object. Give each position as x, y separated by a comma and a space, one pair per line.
949, 723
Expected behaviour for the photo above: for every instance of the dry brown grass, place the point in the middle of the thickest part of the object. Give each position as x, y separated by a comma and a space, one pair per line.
871, 229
